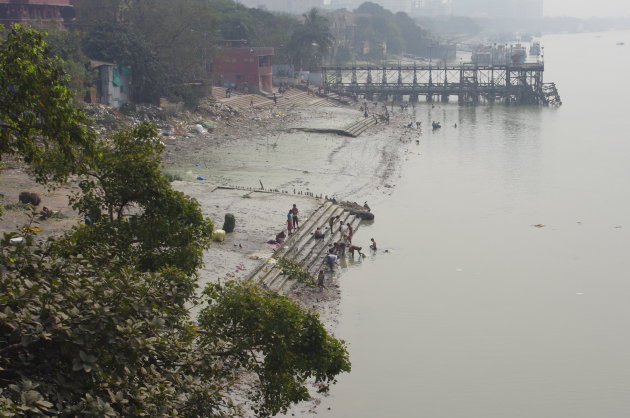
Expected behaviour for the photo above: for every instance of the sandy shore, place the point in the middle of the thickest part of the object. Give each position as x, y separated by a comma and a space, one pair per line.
262, 146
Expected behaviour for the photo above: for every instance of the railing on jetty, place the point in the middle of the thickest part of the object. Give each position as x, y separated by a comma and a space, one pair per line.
470, 83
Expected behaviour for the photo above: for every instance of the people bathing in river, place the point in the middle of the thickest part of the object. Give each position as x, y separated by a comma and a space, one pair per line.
294, 211
373, 244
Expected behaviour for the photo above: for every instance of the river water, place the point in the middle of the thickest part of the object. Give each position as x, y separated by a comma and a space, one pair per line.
475, 312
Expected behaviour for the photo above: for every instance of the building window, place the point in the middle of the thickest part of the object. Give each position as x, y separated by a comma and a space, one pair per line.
264, 61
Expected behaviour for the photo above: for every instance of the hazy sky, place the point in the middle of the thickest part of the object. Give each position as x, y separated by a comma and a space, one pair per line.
587, 8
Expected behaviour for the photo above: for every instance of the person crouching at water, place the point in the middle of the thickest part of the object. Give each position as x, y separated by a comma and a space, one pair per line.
373, 244
330, 259
280, 237
318, 234
290, 222
354, 248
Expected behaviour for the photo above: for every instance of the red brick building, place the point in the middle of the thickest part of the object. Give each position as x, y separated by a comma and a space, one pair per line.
35, 12
242, 66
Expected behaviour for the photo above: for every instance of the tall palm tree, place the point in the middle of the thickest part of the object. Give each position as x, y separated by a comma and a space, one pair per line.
311, 40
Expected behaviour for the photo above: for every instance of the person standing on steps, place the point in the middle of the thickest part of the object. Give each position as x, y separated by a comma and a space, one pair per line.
342, 228
331, 223
290, 222
294, 211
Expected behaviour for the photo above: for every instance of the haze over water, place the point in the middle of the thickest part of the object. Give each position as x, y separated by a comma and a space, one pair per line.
476, 313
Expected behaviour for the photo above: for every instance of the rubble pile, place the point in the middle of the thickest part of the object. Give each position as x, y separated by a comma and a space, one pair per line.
214, 109
105, 118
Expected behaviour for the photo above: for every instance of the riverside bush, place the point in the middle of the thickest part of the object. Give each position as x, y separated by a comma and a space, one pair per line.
294, 271
229, 223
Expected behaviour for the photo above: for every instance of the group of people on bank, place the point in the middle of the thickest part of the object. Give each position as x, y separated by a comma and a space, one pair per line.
336, 249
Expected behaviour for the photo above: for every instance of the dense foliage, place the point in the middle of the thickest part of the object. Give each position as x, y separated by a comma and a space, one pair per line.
273, 337
38, 121
167, 44
77, 339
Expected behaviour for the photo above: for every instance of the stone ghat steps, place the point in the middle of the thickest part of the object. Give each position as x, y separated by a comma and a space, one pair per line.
357, 128
262, 272
312, 257
303, 248
308, 248
290, 97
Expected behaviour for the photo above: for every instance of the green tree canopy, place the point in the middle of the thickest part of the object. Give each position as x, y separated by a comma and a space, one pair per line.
38, 120
131, 205
273, 337
167, 44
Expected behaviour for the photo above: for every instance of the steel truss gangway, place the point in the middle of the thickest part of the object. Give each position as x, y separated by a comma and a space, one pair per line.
470, 83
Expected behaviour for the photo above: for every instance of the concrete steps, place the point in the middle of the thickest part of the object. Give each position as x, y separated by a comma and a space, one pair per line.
313, 261
304, 251
357, 128
290, 97
260, 275
303, 248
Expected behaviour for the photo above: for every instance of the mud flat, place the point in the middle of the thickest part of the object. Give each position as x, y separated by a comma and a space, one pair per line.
267, 149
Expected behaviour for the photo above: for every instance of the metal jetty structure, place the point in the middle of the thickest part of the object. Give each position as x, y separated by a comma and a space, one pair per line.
471, 83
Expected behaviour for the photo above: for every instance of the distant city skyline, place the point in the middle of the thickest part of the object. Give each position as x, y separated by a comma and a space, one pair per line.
587, 8
571, 8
